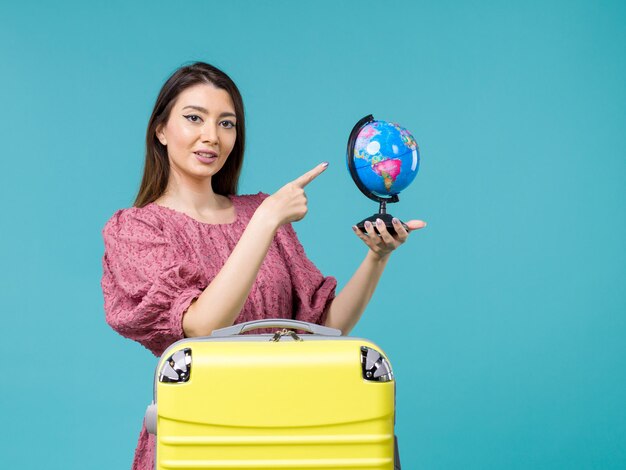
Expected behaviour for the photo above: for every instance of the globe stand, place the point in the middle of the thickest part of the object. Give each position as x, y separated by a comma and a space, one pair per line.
386, 218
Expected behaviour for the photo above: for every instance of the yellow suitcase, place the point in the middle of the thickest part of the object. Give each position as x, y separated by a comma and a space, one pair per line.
274, 401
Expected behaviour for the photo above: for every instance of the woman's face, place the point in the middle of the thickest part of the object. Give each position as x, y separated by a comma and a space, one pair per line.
200, 131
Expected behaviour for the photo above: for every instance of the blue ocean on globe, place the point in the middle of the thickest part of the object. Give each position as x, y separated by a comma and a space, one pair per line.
386, 158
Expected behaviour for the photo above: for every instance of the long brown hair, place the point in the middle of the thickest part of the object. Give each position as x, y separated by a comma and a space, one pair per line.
157, 168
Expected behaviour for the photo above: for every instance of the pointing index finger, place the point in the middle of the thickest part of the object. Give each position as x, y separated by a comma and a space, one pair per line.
310, 175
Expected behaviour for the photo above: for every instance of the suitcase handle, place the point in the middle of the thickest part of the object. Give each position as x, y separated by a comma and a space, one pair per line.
275, 323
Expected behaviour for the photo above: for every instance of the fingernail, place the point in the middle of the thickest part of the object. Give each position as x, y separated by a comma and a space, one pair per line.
395, 221
379, 222
325, 164
368, 224
354, 227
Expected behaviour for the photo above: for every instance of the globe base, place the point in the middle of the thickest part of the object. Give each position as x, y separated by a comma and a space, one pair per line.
386, 218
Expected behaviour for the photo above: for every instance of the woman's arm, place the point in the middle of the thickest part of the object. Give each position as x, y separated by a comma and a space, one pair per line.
346, 309
221, 302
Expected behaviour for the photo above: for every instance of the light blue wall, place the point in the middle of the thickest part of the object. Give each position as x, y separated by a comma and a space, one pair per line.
505, 319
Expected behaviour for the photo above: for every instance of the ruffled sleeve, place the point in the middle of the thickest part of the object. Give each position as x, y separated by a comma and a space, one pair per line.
147, 282
312, 291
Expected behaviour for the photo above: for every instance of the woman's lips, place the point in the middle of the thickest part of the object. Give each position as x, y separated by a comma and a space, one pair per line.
205, 157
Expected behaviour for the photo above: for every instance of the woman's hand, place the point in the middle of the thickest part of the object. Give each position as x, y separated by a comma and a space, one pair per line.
382, 245
289, 203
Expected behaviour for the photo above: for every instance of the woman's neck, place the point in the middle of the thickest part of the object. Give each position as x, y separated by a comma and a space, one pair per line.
191, 196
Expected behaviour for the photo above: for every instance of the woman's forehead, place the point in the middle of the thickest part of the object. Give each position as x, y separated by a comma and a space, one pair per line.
205, 96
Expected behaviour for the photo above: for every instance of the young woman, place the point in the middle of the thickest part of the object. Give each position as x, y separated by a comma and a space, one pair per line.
192, 256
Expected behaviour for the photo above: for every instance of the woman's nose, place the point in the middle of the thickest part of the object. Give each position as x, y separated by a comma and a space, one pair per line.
209, 133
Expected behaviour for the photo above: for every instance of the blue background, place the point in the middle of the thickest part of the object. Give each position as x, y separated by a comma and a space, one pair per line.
505, 319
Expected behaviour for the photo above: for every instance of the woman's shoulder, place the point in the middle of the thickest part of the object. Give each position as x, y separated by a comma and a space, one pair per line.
151, 218
251, 198
251, 201
133, 220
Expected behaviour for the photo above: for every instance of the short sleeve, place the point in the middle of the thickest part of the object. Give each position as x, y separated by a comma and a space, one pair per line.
312, 291
147, 282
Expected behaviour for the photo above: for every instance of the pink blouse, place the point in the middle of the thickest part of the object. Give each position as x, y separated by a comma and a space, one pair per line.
158, 260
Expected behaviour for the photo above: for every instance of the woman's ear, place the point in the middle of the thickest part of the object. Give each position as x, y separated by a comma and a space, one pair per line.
161, 135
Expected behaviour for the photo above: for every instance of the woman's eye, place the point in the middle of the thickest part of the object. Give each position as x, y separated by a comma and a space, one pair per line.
228, 124
193, 117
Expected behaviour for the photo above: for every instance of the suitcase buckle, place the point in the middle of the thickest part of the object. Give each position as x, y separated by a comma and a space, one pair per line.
284, 332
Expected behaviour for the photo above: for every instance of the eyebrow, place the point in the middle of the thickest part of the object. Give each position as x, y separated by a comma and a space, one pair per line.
206, 111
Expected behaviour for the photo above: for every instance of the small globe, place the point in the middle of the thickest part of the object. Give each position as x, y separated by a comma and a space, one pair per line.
385, 159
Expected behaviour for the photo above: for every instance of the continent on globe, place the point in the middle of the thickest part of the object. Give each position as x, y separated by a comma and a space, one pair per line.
388, 170
360, 155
